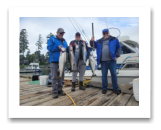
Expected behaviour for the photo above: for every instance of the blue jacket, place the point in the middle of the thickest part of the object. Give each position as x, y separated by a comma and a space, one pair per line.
53, 47
114, 47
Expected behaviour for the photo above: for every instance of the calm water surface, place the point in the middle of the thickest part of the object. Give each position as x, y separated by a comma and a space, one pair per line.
45, 71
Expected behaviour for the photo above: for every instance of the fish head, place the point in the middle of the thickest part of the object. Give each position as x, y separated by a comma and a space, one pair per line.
91, 53
70, 48
63, 49
77, 46
83, 45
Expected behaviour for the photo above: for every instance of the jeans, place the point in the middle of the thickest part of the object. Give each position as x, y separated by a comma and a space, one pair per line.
111, 65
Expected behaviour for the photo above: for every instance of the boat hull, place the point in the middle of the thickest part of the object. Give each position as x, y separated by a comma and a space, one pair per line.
37, 70
124, 76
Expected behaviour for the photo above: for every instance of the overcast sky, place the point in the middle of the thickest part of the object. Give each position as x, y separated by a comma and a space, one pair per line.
129, 26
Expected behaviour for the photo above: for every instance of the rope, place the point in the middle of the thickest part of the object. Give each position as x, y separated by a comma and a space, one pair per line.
79, 29
84, 82
86, 36
72, 24
106, 22
116, 29
83, 31
69, 97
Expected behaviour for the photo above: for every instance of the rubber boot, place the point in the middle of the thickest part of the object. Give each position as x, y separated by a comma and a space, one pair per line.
81, 86
61, 93
73, 86
55, 95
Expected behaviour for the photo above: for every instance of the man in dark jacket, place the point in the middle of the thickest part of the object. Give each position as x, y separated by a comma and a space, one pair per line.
81, 65
108, 50
54, 47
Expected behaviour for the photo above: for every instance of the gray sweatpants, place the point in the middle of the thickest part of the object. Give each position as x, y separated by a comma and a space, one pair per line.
54, 72
81, 69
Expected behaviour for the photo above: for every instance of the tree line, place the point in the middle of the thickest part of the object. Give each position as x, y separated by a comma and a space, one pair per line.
36, 56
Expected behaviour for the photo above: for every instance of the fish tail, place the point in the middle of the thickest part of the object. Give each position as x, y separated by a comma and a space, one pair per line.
59, 77
94, 75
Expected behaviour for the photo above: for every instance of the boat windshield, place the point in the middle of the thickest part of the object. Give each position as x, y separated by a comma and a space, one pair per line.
134, 47
125, 49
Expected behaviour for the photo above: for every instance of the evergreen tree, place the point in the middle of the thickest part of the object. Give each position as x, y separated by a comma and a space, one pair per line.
39, 42
23, 43
48, 37
28, 53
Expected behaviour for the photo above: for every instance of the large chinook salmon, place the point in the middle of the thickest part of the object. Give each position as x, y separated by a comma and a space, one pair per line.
84, 53
62, 62
77, 53
72, 59
92, 63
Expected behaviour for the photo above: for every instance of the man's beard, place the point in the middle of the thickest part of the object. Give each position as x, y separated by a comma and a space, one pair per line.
106, 37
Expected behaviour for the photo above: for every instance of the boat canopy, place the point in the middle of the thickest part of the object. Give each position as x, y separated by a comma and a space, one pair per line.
127, 41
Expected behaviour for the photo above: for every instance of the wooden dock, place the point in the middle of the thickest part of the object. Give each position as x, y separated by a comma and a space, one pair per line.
36, 95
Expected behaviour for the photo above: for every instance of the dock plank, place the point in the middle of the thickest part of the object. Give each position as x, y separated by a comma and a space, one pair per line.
36, 91
75, 95
52, 102
104, 99
40, 96
34, 88
24, 80
43, 100
84, 96
22, 97
120, 100
123, 87
132, 102
89, 99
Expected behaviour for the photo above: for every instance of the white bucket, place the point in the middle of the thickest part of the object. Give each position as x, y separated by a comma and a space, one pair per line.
136, 89
43, 79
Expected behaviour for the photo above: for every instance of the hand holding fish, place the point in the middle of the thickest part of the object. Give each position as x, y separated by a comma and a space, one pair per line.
84, 42
60, 46
75, 44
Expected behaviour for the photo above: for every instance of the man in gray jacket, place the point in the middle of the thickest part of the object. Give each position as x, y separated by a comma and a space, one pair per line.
81, 65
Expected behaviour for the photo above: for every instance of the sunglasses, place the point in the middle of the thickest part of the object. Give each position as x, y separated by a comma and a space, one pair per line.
105, 33
62, 33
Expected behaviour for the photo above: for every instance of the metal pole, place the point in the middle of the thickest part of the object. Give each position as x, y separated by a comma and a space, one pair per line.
93, 34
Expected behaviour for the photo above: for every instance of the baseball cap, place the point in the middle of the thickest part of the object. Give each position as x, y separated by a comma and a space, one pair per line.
105, 30
78, 34
60, 30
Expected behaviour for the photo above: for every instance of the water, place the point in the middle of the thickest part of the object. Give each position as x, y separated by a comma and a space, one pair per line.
45, 71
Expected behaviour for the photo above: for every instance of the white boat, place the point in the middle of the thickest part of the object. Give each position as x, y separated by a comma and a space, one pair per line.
127, 64
33, 66
125, 75
128, 48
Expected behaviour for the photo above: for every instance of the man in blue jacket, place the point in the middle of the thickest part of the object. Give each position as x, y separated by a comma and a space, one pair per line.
108, 50
54, 47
